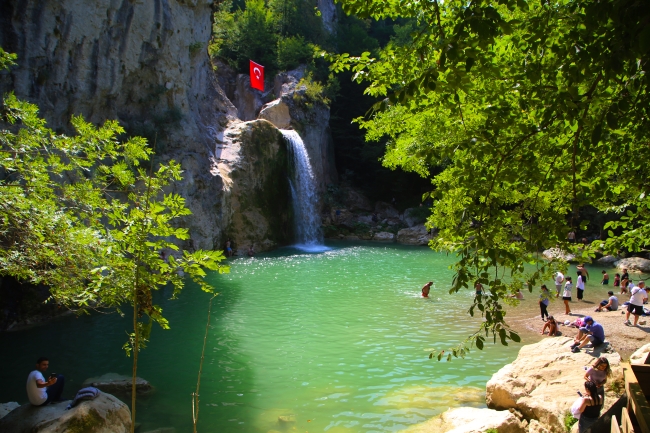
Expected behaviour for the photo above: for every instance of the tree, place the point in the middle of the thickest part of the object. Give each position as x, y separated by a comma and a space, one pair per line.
82, 215
530, 112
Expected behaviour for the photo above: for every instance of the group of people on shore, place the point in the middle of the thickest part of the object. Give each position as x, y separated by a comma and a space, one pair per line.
588, 406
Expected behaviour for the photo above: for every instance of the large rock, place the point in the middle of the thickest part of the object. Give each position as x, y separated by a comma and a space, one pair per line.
355, 201
470, 420
640, 355
415, 216
117, 383
385, 210
105, 414
608, 260
276, 112
418, 235
556, 253
253, 165
248, 101
542, 382
384, 236
5, 408
634, 264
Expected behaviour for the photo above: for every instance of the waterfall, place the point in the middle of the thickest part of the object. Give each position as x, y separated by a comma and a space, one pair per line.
304, 196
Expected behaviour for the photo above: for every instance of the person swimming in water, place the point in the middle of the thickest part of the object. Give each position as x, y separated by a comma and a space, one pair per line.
426, 288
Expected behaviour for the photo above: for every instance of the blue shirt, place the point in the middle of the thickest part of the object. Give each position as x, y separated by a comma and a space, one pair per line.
596, 330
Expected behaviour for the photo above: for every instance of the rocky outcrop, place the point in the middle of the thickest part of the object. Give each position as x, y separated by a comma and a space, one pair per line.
634, 264
384, 236
357, 202
327, 10
542, 382
5, 408
556, 253
105, 414
252, 162
640, 355
418, 235
470, 420
608, 260
118, 384
385, 210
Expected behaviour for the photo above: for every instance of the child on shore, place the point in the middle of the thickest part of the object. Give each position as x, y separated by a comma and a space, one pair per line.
566, 295
544, 301
551, 325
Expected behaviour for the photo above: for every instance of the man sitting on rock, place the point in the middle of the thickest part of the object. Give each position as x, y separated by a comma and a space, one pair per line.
592, 332
41, 392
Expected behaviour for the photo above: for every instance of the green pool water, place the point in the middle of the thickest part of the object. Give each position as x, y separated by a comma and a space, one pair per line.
336, 341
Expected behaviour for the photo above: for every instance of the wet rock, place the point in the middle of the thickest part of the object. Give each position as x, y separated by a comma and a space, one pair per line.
556, 253
470, 420
5, 408
547, 372
384, 236
117, 383
104, 414
286, 419
608, 260
418, 235
634, 264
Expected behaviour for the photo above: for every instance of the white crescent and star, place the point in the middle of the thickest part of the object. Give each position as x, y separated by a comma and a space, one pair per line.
257, 72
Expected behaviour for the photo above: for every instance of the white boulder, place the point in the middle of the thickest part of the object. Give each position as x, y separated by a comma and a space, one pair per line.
470, 420
276, 112
634, 264
105, 414
542, 382
384, 236
418, 235
557, 253
640, 355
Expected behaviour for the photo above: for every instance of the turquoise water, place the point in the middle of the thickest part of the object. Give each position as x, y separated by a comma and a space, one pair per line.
336, 342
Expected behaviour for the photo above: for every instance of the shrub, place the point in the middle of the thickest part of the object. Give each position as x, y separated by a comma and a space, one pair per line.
569, 420
293, 51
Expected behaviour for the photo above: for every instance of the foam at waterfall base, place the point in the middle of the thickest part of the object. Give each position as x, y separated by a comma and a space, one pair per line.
311, 248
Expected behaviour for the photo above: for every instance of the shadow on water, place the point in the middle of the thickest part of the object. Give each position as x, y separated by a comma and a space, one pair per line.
81, 347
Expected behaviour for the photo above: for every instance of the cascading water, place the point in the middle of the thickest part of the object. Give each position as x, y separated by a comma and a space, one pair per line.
304, 196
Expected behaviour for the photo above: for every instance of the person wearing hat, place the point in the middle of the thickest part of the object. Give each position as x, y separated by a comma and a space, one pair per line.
638, 296
592, 332
610, 304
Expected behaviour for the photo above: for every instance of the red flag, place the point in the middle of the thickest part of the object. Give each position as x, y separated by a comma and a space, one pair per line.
257, 76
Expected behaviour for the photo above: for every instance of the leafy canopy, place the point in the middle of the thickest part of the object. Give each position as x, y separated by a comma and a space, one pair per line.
522, 114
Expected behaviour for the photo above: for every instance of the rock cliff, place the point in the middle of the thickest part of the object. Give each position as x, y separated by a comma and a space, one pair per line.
145, 64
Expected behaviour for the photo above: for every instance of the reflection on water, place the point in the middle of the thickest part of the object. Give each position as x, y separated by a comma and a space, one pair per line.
336, 341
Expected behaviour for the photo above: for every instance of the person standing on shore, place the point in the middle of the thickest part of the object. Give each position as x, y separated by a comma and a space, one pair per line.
559, 279
566, 295
638, 296
543, 302
580, 285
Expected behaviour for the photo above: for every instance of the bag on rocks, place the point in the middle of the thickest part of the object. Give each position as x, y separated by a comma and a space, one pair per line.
88, 393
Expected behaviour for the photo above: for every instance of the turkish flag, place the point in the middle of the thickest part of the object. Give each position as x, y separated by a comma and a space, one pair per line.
257, 76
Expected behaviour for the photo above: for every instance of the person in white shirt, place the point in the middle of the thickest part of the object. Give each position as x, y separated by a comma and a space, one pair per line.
638, 296
559, 279
41, 392
580, 285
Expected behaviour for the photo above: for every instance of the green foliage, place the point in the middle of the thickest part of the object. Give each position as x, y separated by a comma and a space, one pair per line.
195, 47
521, 114
294, 51
83, 216
569, 420
491, 430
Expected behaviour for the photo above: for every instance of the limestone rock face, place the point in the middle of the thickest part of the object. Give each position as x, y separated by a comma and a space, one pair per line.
634, 264
414, 216
640, 355
117, 383
355, 202
328, 12
470, 420
277, 112
542, 382
556, 253
105, 414
385, 210
248, 101
384, 236
418, 235
5, 408
144, 63
252, 162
